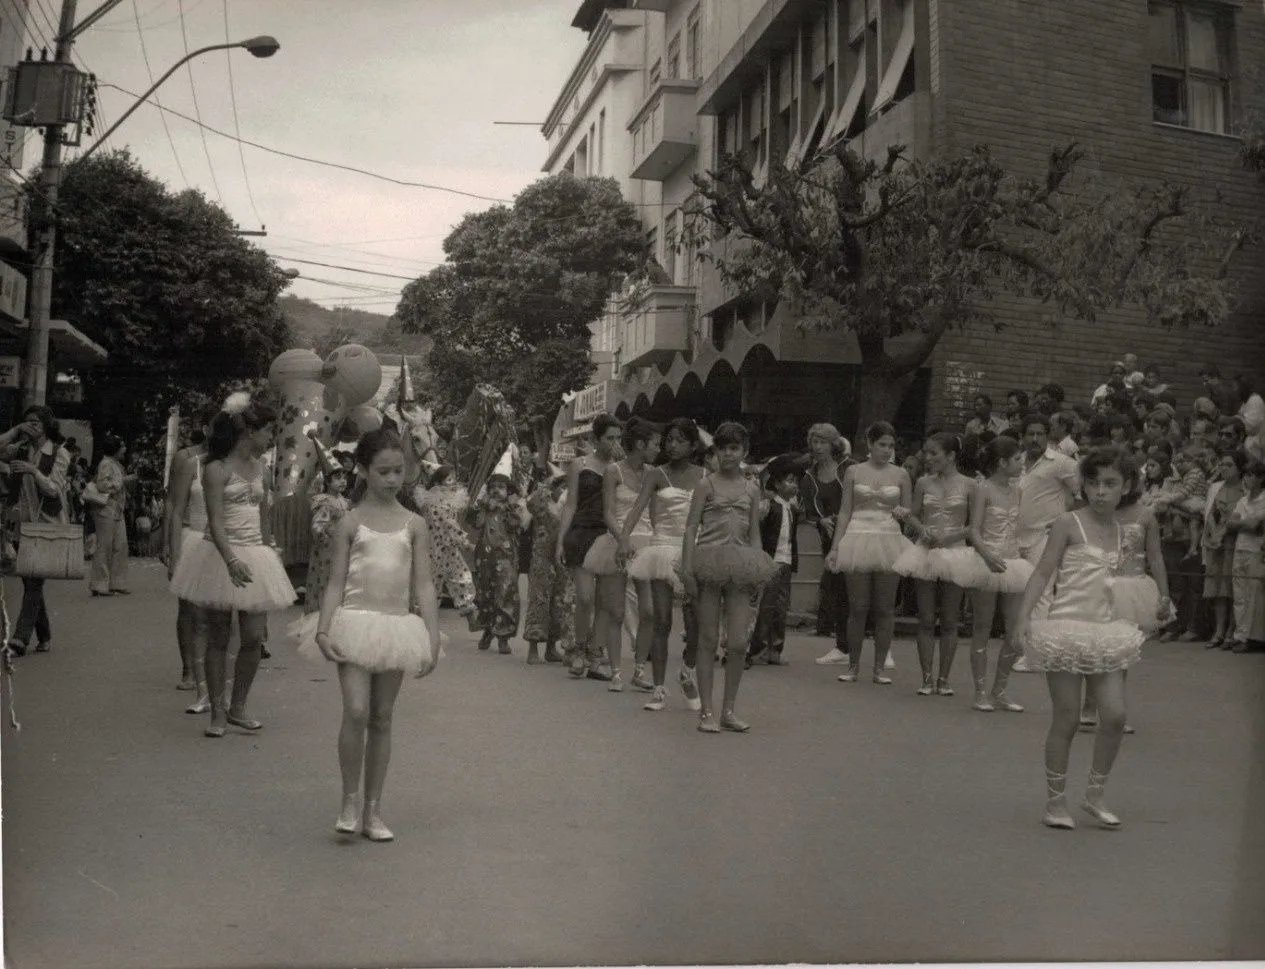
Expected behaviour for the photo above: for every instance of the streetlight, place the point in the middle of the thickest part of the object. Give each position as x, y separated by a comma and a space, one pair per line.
262, 46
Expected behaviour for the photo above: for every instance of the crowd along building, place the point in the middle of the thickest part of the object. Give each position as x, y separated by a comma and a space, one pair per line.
1151, 90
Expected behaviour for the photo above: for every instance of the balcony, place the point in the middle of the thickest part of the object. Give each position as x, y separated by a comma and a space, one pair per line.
665, 130
657, 326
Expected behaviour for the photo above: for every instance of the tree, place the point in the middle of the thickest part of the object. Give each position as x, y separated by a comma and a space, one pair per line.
163, 282
910, 249
513, 303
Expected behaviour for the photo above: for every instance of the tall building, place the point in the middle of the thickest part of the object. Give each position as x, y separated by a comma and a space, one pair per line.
1153, 91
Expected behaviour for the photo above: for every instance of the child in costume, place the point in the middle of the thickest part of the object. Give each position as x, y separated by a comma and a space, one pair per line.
498, 521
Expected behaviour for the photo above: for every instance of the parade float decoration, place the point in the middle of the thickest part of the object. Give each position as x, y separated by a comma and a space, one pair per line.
415, 425
482, 434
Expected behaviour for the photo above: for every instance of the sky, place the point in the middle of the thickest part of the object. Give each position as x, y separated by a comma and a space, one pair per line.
407, 89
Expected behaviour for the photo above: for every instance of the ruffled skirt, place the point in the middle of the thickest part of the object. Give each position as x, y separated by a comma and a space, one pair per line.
659, 562
1136, 600
977, 575
577, 542
1079, 646
935, 564
740, 565
868, 551
201, 577
600, 558
375, 641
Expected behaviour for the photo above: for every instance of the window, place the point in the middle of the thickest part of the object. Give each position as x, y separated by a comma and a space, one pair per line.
656, 70
842, 122
601, 141
672, 62
817, 47
669, 245
692, 64
894, 78
1190, 71
652, 244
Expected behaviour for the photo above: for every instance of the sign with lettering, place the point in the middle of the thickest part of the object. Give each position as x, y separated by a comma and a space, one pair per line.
12, 292
10, 372
591, 401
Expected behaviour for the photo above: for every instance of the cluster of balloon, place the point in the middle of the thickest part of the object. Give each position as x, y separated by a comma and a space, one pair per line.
317, 396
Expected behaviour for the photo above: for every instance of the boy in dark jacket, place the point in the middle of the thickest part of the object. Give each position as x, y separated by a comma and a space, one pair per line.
779, 523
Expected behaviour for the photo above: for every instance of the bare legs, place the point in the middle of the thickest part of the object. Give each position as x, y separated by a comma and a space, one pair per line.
737, 613
252, 627
191, 633
984, 608
1065, 699
645, 630
661, 598
585, 595
950, 597
608, 627
871, 593
365, 738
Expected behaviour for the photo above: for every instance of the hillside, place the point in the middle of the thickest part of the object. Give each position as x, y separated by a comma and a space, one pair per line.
321, 329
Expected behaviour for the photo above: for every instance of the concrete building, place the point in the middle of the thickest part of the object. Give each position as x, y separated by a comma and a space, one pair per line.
1152, 91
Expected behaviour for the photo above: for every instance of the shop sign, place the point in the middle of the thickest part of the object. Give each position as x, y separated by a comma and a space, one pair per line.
12, 292
591, 401
10, 372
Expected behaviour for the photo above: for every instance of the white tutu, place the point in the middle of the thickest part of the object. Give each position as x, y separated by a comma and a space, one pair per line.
1136, 600
915, 563
1079, 646
954, 565
977, 575
868, 551
740, 565
600, 558
658, 563
201, 577
376, 641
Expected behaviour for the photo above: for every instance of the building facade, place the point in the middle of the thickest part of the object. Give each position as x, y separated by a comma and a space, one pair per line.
1151, 90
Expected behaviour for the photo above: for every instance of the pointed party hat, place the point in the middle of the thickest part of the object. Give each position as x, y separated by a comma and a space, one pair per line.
324, 456
407, 394
505, 466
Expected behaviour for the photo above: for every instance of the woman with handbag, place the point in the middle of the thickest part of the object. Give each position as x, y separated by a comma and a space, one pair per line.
40, 474
109, 560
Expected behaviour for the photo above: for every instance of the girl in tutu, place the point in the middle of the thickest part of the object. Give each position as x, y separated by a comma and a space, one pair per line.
867, 543
723, 569
233, 568
184, 522
583, 523
1081, 639
667, 490
941, 559
621, 484
379, 618
999, 570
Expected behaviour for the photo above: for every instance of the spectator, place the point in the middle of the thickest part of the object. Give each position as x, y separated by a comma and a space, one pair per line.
1016, 408
1049, 398
110, 559
1248, 524
985, 419
1114, 381
1151, 381
1252, 413
1062, 424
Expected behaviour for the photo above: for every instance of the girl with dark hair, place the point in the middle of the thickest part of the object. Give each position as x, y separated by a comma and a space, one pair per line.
821, 494
1082, 640
999, 571
583, 522
234, 568
723, 568
867, 543
109, 561
941, 559
35, 455
184, 522
668, 491
379, 619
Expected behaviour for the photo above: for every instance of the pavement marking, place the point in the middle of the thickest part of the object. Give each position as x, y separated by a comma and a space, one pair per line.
98, 884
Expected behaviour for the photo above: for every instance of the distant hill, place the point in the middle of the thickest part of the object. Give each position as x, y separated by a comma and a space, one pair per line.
315, 327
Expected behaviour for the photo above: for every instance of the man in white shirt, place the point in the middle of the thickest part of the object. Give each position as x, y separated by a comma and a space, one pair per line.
985, 419
1061, 425
1049, 487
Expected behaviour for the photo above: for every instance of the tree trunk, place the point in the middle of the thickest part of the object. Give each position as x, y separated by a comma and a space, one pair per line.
879, 396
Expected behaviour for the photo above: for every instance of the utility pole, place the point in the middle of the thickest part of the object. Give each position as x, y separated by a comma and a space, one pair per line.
35, 369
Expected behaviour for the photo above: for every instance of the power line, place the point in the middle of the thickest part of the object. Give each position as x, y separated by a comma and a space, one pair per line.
232, 92
193, 88
350, 269
119, 28
315, 161
150, 71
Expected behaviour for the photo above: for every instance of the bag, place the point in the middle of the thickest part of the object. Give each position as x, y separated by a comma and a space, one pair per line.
50, 550
92, 497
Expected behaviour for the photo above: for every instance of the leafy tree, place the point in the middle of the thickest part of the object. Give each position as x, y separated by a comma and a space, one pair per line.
513, 303
163, 282
911, 249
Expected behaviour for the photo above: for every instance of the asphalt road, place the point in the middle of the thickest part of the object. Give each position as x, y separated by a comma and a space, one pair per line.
545, 821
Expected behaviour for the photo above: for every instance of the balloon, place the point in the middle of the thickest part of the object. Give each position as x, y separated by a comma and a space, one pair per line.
359, 422
294, 365
307, 407
354, 373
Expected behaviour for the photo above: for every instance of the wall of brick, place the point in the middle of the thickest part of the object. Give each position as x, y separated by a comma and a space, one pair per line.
1025, 76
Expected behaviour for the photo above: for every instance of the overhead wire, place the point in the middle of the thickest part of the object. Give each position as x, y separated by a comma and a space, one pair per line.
197, 111
232, 93
140, 33
119, 28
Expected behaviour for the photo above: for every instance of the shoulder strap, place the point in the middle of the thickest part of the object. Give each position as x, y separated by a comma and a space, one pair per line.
1081, 527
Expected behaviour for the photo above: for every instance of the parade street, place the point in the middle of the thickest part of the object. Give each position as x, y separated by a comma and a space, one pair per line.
545, 821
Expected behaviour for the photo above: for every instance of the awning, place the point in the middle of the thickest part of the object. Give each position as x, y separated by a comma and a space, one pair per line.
900, 59
73, 348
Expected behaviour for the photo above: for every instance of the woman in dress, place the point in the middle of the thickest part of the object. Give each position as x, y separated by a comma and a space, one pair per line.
1081, 639
1247, 521
583, 523
621, 485
821, 494
1218, 545
233, 569
39, 463
941, 559
867, 543
999, 571
667, 490
184, 521
109, 560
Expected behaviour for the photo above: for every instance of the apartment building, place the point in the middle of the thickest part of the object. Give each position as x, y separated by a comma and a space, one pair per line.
1152, 90
13, 253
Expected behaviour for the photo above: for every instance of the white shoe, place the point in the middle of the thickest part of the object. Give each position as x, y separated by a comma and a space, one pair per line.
889, 663
1020, 666
836, 657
